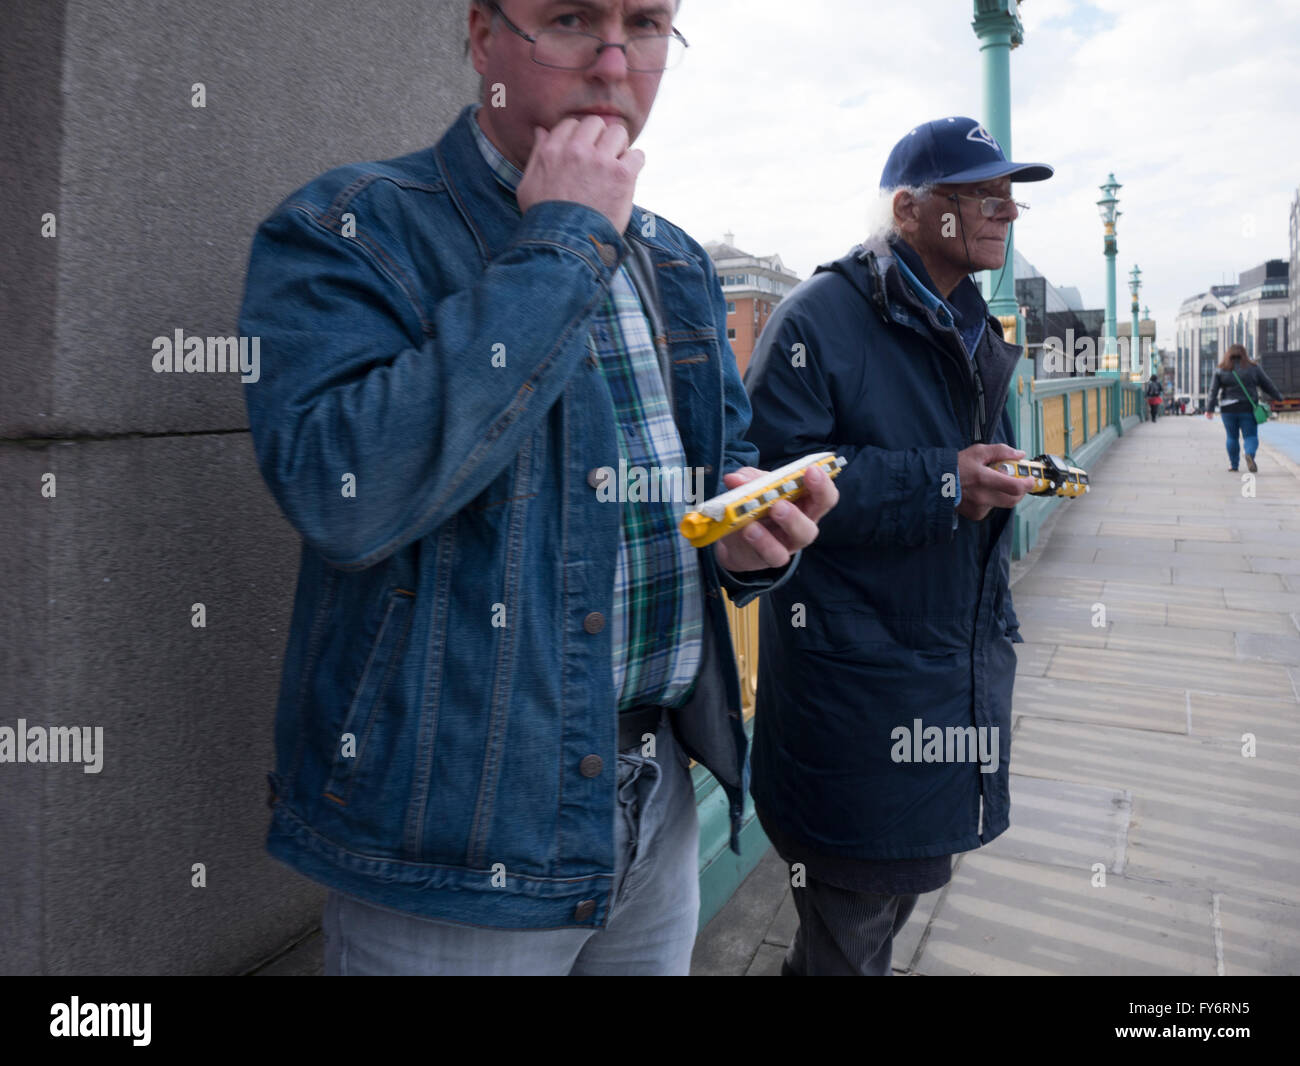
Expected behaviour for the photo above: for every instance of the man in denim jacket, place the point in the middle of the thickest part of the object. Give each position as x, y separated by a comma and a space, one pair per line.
502, 653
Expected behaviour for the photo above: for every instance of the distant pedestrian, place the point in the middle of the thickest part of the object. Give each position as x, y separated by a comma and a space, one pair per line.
1154, 397
1240, 379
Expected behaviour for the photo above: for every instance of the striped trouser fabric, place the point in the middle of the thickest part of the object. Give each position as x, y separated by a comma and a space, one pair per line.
844, 933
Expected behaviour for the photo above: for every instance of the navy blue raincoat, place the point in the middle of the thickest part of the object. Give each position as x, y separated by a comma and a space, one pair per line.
895, 634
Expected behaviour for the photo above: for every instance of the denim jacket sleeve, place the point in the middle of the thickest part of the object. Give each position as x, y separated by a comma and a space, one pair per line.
367, 378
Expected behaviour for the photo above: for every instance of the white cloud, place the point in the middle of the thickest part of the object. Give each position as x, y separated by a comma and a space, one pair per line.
777, 125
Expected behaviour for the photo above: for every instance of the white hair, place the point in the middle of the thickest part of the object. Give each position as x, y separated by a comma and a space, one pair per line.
880, 217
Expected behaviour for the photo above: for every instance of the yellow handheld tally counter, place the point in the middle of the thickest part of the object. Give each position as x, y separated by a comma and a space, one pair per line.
736, 508
1052, 475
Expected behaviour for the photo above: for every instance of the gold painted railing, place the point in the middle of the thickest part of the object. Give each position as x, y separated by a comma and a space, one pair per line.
1071, 412
744, 636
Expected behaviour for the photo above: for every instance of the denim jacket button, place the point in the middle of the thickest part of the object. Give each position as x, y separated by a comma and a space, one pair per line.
594, 622
607, 252
591, 766
597, 476
584, 910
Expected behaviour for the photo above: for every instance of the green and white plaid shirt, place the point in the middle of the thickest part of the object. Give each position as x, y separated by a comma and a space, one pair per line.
657, 614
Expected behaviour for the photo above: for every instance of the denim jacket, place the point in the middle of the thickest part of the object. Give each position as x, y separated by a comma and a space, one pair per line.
431, 419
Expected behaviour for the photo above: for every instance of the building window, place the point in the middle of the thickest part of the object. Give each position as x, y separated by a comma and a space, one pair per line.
1268, 339
731, 307
1209, 354
731, 334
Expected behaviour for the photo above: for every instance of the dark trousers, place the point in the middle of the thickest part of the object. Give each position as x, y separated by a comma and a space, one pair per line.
844, 933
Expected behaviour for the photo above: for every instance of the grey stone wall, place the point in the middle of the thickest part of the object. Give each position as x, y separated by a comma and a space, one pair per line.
158, 504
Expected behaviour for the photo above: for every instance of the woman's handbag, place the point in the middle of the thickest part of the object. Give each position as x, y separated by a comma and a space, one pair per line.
1260, 409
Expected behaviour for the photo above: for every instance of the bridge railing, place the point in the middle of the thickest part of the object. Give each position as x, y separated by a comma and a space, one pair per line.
1075, 417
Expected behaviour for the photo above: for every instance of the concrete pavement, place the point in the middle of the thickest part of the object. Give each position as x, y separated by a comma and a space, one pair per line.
1155, 761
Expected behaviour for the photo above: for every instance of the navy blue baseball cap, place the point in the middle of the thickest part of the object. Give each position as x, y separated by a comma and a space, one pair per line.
953, 151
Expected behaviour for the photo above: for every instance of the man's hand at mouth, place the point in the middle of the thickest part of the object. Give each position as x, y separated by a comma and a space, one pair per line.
585, 161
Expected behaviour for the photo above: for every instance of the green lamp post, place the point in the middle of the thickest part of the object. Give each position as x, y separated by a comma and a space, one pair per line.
998, 27
1155, 352
1135, 340
1107, 207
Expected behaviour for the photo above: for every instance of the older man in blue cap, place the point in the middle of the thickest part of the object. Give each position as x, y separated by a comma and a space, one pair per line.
883, 723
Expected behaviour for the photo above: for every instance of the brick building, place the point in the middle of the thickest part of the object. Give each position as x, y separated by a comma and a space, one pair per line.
752, 286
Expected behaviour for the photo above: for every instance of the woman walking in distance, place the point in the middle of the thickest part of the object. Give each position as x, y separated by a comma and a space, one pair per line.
1240, 379
1155, 396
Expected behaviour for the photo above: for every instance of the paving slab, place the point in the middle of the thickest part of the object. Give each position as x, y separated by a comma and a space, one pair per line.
1165, 558
1124, 609
1150, 592
909, 938
1269, 647
1201, 519
1035, 584
1227, 848
1271, 722
1232, 620
766, 963
1160, 708
1216, 548
1213, 578
1032, 658
1202, 773
1054, 629
1163, 530
1106, 666
1114, 571
1063, 823
1259, 937
1081, 552
728, 944
1271, 564
1170, 642
1004, 916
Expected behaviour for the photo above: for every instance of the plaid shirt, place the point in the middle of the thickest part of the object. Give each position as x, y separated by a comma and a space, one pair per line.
657, 614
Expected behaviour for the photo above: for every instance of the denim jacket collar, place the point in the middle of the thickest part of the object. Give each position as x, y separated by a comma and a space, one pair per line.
487, 201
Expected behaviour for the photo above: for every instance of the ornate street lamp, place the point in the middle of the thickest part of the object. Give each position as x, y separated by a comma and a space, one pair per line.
1135, 342
1107, 207
999, 29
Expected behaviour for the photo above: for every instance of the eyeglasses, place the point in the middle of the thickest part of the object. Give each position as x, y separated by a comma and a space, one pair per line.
575, 50
991, 205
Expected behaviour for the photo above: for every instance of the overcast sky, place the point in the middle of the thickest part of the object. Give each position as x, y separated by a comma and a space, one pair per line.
778, 122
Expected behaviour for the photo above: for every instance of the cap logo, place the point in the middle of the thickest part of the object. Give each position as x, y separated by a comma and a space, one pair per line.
980, 134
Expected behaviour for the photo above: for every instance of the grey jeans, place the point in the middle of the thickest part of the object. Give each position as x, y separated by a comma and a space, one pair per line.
653, 916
